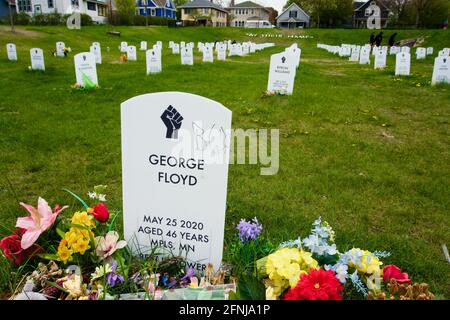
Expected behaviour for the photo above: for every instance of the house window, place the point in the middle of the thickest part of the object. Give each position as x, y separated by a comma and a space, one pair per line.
153, 12
24, 5
102, 11
205, 11
91, 6
293, 14
50, 4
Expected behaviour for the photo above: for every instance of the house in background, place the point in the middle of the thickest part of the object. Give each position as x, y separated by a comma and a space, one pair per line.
361, 13
96, 9
156, 8
293, 17
247, 11
273, 14
203, 12
4, 8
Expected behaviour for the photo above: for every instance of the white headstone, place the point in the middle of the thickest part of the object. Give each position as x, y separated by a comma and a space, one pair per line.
176, 48
406, 49
380, 59
97, 51
85, 68
143, 46
154, 64
430, 51
187, 56
245, 48
441, 71
123, 47
174, 192
11, 51
364, 56
131, 53
296, 52
444, 52
171, 44
421, 53
208, 54
282, 73
402, 64
222, 52
355, 55
60, 49
37, 59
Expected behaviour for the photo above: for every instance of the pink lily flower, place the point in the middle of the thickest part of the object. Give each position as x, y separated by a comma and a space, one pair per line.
40, 219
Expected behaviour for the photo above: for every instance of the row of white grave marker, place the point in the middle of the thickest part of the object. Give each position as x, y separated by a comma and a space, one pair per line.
283, 69
361, 54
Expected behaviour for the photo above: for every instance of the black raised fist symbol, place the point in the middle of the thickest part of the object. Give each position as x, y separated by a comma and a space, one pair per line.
172, 119
283, 59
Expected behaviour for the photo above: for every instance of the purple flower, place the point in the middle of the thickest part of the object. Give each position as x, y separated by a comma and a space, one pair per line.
187, 277
113, 278
249, 230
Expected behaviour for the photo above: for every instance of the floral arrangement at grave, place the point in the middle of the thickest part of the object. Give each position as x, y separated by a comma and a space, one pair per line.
77, 254
66, 52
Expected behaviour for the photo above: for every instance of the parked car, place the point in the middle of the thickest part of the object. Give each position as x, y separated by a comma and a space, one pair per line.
258, 24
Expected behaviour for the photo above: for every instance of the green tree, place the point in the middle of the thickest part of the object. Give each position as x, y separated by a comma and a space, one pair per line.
126, 9
315, 7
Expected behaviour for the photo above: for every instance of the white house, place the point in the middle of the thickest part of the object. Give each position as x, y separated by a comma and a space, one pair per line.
97, 9
293, 17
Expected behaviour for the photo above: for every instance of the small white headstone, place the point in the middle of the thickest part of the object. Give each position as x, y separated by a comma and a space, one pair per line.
143, 46
187, 56
176, 48
406, 49
282, 73
131, 53
60, 49
296, 52
222, 52
123, 47
444, 52
441, 71
364, 56
208, 54
402, 64
97, 51
153, 59
175, 154
430, 51
11, 51
380, 59
421, 53
85, 68
355, 55
37, 59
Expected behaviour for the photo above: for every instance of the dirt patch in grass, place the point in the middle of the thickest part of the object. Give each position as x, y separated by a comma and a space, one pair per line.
6, 30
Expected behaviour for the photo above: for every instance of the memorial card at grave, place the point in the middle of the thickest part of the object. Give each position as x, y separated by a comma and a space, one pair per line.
175, 154
176, 48
364, 56
430, 51
421, 53
60, 49
208, 54
222, 52
97, 51
441, 70
86, 70
143, 46
380, 59
37, 59
402, 64
11, 51
153, 59
131, 53
187, 56
123, 47
282, 73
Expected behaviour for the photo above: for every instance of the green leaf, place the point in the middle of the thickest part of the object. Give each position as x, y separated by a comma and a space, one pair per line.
77, 197
251, 288
60, 233
49, 256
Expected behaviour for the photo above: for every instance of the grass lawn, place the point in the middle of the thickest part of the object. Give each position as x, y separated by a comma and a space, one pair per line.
365, 149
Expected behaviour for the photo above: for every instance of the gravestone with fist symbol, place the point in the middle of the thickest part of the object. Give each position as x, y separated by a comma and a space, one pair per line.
172, 120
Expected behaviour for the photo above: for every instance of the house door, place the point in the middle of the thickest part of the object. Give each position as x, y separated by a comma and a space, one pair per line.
37, 9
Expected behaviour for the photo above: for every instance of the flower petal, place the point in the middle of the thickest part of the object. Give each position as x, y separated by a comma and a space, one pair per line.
29, 238
26, 223
43, 208
111, 237
121, 244
60, 210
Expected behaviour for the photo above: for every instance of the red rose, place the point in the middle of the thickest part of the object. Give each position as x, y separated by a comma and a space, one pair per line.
13, 250
100, 213
393, 272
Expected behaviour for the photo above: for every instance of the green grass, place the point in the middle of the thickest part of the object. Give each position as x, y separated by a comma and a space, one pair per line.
368, 152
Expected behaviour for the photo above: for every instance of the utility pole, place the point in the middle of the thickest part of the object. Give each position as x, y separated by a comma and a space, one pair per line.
11, 16
145, 2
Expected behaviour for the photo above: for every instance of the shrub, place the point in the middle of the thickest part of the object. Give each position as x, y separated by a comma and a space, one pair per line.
22, 19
